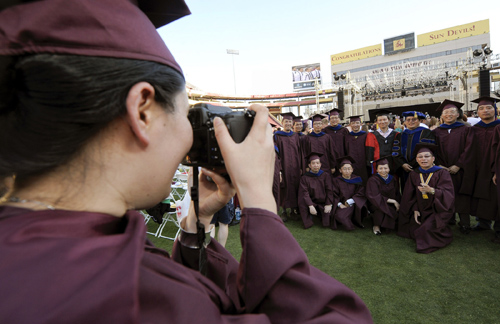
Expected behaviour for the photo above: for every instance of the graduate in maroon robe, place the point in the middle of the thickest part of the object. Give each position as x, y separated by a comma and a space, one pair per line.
349, 201
454, 154
427, 204
86, 154
315, 193
289, 150
484, 191
298, 125
355, 142
337, 132
382, 191
496, 169
318, 141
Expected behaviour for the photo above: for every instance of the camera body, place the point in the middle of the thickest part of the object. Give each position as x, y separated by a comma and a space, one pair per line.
205, 151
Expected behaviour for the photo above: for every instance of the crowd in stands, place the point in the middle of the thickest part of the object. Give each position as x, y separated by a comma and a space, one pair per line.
410, 174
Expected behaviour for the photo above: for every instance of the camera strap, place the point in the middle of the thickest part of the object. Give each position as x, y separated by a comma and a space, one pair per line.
200, 234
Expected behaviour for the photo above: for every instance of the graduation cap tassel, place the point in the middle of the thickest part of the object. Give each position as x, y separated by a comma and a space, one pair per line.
200, 233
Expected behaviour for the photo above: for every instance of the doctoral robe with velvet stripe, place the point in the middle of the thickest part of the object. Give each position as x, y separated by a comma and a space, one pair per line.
435, 212
60, 266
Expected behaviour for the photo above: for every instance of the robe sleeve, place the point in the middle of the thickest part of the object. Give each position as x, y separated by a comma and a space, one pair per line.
359, 196
409, 199
444, 196
275, 278
372, 150
375, 197
464, 159
470, 162
331, 153
304, 192
494, 149
329, 190
398, 158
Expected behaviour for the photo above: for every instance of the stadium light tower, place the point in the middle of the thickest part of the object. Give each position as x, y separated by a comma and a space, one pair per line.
233, 52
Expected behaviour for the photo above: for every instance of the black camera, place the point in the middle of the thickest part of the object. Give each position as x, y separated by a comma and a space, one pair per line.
205, 151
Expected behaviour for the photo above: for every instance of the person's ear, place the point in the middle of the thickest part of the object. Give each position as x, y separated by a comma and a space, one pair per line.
139, 102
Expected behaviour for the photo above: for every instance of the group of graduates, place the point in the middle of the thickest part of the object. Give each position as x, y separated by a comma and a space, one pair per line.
412, 182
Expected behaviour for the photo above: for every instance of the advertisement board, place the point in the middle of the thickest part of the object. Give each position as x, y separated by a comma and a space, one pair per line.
452, 33
358, 54
304, 76
399, 44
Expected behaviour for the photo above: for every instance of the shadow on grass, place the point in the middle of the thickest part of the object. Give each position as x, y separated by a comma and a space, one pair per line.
457, 284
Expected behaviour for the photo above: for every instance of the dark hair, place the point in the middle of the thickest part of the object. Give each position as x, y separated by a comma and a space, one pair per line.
52, 105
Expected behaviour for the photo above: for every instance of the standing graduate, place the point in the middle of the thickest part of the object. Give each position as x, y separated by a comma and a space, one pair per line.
496, 179
315, 193
355, 147
318, 141
349, 202
405, 142
298, 125
454, 154
382, 191
484, 193
277, 177
337, 132
380, 142
427, 204
288, 146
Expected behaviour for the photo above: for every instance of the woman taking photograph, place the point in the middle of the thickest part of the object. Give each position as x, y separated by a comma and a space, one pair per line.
93, 122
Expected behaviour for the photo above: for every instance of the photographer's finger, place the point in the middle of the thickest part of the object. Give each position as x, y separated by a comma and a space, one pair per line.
224, 186
260, 124
222, 135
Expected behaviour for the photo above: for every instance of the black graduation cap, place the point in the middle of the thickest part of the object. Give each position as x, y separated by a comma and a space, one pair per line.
388, 159
383, 112
355, 118
334, 112
345, 160
486, 100
288, 115
427, 147
450, 104
317, 117
313, 156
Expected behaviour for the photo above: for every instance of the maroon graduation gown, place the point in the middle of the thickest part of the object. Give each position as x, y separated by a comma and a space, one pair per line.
63, 266
355, 148
495, 164
315, 190
338, 137
341, 192
436, 211
378, 192
319, 143
291, 164
484, 192
455, 148
276, 179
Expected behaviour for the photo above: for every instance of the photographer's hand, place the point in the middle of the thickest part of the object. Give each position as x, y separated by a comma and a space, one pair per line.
250, 164
213, 195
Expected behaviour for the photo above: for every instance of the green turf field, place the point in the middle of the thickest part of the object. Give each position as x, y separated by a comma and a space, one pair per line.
457, 284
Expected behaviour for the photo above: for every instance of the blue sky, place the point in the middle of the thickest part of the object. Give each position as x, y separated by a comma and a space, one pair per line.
272, 36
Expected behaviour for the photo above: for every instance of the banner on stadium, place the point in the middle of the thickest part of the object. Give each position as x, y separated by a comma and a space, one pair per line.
452, 33
304, 76
398, 44
359, 54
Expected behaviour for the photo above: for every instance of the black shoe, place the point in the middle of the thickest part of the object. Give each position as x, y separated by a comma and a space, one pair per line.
465, 229
479, 228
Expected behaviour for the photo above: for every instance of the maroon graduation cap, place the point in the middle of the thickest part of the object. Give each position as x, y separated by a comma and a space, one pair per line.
105, 28
446, 104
